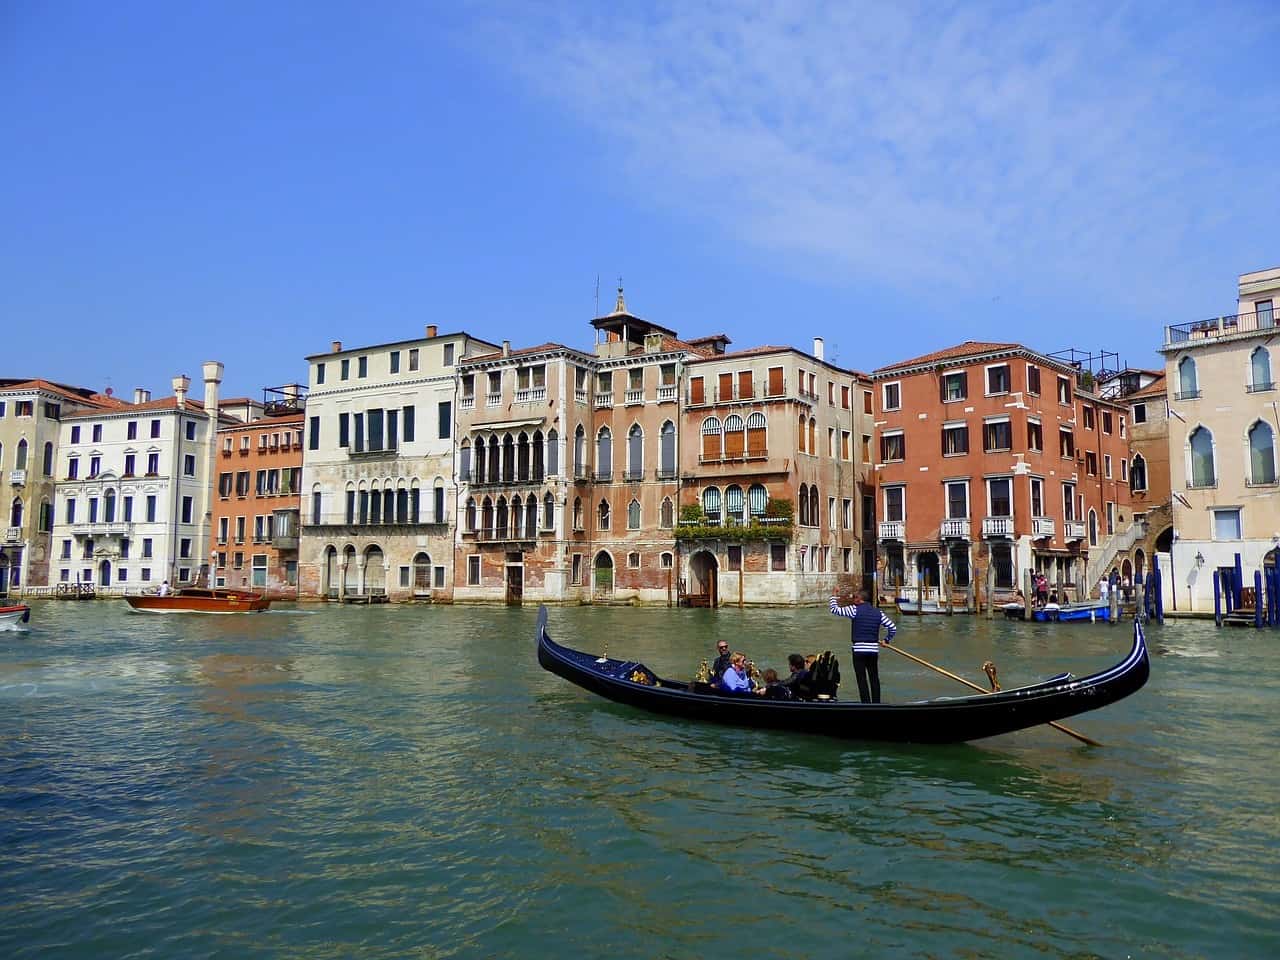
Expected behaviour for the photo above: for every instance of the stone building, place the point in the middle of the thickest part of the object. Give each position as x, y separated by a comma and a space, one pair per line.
378, 473
255, 509
31, 412
1149, 490
133, 498
1222, 443
568, 468
774, 467
992, 457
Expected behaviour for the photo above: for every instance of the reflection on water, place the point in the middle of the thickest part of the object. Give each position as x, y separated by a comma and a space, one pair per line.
404, 781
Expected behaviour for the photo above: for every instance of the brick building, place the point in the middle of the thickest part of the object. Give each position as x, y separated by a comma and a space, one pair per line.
774, 476
255, 509
991, 457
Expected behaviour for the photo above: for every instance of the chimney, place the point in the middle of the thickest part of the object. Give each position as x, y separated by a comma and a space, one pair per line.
817, 347
140, 395
506, 348
431, 331
335, 347
212, 378
181, 384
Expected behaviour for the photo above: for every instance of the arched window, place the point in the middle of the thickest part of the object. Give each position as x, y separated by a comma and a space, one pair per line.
803, 517
635, 453
803, 433
464, 462
579, 452
667, 450
531, 517
548, 511
109, 505
480, 463
517, 516
1201, 444
509, 458
20, 462
667, 515
813, 436
633, 514
486, 516
1262, 453
815, 507
471, 514
711, 503
1138, 473
538, 471
602, 515
1260, 370
711, 446
46, 519
757, 435
734, 436
402, 502
494, 460
47, 466
1, 454
1093, 528
1188, 386
15, 513
757, 499
577, 513
734, 503
604, 453
389, 504
522, 457
553, 453
500, 520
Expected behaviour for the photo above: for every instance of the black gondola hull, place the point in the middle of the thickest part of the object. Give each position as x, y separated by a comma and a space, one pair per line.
946, 720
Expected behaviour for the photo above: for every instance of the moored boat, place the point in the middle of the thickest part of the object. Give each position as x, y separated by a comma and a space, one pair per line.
1091, 610
943, 720
199, 600
14, 615
909, 608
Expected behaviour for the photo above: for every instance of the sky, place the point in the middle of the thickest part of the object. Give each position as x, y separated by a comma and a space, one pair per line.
246, 182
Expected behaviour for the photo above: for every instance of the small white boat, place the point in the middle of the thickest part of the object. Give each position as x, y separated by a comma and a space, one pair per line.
908, 607
14, 615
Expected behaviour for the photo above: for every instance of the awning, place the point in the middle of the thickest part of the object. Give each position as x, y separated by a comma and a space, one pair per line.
507, 424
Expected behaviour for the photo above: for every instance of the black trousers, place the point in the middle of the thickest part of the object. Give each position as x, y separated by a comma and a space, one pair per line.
866, 667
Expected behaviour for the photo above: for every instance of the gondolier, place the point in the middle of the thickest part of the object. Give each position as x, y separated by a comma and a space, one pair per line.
865, 632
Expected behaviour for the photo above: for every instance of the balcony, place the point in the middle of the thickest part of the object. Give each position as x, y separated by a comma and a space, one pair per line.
531, 395
892, 529
13, 534
493, 399
467, 403
1042, 527
502, 536
369, 453
667, 394
997, 527
604, 476
634, 398
17, 478
1180, 333
1260, 387
580, 396
1073, 530
955, 530
1187, 395
604, 400
101, 528
635, 476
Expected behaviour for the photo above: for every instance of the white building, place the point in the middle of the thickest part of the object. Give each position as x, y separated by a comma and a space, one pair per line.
133, 494
378, 483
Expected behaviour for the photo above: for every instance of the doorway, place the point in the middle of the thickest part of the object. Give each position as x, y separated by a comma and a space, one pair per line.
104, 573
705, 570
515, 585
604, 574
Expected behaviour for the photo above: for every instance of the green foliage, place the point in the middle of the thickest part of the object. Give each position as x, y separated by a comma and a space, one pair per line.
735, 534
780, 508
1086, 381
692, 513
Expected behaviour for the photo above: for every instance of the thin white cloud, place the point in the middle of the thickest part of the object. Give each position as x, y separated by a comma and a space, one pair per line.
890, 141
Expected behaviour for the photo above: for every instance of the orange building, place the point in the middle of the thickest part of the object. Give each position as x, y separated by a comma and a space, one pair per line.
992, 458
256, 502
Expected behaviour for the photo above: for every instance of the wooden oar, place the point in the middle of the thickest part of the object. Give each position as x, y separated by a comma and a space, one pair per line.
947, 673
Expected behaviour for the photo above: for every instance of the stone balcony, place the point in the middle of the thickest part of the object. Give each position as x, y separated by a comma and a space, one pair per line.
955, 530
998, 528
1042, 527
17, 478
892, 529
1073, 530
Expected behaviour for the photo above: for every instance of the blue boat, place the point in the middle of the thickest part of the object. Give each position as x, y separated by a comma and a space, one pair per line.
1093, 611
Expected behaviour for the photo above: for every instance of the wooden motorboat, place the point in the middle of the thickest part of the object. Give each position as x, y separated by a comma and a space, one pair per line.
910, 608
943, 720
199, 600
18, 613
1091, 610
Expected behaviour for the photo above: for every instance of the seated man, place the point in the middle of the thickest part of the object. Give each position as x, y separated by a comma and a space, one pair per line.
735, 679
799, 683
721, 663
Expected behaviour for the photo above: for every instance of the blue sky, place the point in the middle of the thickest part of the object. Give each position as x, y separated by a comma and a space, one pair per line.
247, 182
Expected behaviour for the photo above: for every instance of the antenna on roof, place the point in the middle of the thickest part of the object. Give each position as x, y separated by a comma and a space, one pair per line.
597, 313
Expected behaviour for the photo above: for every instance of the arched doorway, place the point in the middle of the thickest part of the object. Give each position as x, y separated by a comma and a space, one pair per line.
603, 574
351, 575
705, 571
375, 573
422, 575
1139, 565
1126, 580
927, 573
104, 573
1164, 542
329, 573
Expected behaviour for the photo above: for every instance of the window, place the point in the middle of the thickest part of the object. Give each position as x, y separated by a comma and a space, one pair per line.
319, 374
666, 561
667, 450
602, 515
893, 447
1064, 391
1262, 454
1200, 445
95, 463
1035, 435
189, 465
895, 504
1139, 413
734, 503
73, 468
604, 454
1106, 421
24, 408
186, 509
1087, 413
1000, 497
957, 500
1091, 463
1033, 379
1266, 317
777, 383
444, 419
413, 359
184, 548
577, 513
1037, 497
844, 397
1188, 384
997, 435
1066, 443
955, 439
711, 438
362, 367
667, 514
1068, 502
258, 570
633, 560
47, 465
734, 555
1124, 470
151, 508
697, 391
892, 393
1106, 465
635, 453
955, 386
473, 568
346, 368
75, 434
633, 515
153, 464
777, 556
395, 368
1111, 518
1226, 524
846, 514
866, 448
407, 423
711, 504
998, 379
1260, 371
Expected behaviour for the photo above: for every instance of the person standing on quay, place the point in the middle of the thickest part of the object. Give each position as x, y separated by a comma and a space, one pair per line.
865, 630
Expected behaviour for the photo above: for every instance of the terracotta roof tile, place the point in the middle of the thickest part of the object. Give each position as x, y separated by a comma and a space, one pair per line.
970, 348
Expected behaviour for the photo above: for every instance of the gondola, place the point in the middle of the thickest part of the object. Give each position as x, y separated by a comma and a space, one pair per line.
941, 720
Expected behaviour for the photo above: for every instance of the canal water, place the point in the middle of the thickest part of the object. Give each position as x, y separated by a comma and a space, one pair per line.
406, 782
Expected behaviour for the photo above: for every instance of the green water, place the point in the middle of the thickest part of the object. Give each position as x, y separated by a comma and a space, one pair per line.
406, 782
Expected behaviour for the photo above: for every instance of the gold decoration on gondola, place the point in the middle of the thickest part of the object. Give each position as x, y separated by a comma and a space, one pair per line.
989, 669
642, 676
704, 673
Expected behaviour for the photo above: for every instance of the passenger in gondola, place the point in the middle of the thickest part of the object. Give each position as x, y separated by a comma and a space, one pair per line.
798, 683
772, 687
721, 663
735, 679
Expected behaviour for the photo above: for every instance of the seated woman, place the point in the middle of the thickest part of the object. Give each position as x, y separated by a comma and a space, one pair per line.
735, 679
773, 688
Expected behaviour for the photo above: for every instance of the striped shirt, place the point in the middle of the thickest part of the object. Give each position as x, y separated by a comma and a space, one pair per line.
865, 644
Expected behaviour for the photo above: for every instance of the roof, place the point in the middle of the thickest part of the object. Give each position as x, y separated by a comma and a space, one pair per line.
970, 348
119, 406
773, 348
1157, 389
351, 351
523, 351
77, 394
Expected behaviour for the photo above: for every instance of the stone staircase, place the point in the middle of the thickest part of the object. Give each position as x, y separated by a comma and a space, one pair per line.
1103, 556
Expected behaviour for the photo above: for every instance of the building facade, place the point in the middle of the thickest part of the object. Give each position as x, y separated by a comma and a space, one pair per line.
775, 501
133, 495
993, 462
31, 412
1222, 443
378, 485
256, 506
